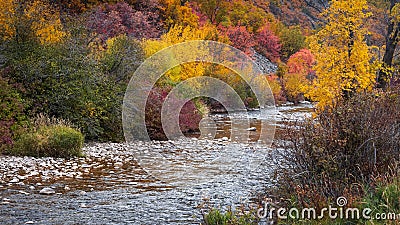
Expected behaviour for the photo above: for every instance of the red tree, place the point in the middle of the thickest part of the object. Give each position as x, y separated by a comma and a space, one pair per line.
241, 38
120, 18
301, 62
267, 43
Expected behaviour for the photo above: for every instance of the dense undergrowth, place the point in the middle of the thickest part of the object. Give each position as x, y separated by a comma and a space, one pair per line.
348, 150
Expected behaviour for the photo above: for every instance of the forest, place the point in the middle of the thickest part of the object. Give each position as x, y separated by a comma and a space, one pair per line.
65, 67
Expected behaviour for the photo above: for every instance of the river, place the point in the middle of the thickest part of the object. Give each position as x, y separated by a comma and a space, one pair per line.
109, 187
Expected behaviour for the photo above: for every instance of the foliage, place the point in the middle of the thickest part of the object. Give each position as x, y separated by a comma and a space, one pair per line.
177, 14
299, 74
12, 117
342, 55
340, 150
216, 217
291, 38
46, 22
383, 198
189, 117
178, 34
30, 19
240, 38
69, 81
301, 62
245, 13
50, 141
111, 20
268, 43
214, 10
7, 12
276, 88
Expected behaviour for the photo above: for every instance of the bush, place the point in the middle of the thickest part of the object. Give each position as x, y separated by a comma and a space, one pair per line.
76, 81
341, 150
189, 117
12, 118
50, 141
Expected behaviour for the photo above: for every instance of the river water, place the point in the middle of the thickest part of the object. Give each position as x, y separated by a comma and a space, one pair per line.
109, 187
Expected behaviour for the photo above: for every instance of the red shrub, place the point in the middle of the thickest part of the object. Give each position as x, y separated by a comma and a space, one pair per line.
189, 116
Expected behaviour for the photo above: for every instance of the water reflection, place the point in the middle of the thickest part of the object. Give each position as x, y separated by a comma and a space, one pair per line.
249, 124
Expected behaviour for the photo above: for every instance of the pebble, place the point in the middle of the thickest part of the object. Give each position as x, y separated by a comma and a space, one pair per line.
23, 192
47, 191
251, 129
14, 180
118, 164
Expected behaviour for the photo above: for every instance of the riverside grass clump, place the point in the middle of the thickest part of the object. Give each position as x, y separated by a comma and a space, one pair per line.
340, 152
50, 137
216, 217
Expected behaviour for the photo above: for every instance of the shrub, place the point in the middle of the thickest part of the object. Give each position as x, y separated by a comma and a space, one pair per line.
189, 117
50, 141
341, 150
12, 118
75, 81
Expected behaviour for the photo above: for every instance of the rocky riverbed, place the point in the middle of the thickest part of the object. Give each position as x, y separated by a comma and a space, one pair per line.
108, 186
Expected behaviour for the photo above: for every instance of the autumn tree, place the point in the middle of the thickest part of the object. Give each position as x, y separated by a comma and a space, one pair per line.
179, 34
28, 20
342, 55
111, 20
268, 43
244, 13
214, 10
299, 74
291, 38
175, 13
240, 38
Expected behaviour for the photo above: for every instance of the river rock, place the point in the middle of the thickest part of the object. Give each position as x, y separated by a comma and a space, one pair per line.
47, 191
15, 180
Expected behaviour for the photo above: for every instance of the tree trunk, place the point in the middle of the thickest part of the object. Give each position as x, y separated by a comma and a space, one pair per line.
391, 43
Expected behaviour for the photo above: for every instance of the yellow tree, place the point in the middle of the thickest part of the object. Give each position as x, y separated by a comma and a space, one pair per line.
179, 34
19, 18
7, 12
177, 14
342, 55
